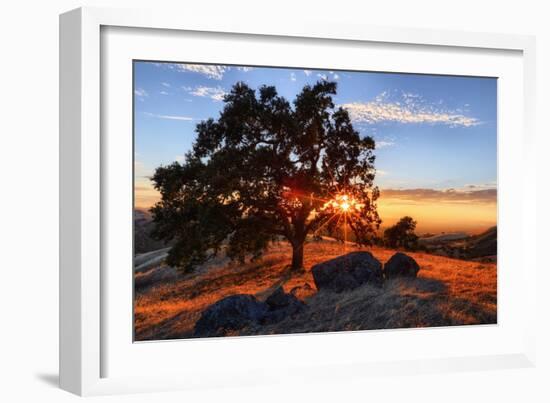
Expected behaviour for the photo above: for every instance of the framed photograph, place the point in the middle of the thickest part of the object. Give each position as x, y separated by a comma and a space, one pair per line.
313, 196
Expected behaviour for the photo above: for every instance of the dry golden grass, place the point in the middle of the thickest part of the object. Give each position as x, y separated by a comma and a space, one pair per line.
446, 292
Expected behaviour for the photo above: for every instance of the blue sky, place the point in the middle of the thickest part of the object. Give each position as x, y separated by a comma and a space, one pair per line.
432, 132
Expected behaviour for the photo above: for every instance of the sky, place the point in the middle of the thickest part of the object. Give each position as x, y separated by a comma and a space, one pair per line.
436, 136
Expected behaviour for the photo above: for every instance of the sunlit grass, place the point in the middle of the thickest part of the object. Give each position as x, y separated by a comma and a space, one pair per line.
447, 292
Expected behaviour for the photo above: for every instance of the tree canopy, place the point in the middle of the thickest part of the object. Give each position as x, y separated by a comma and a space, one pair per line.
267, 169
402, 234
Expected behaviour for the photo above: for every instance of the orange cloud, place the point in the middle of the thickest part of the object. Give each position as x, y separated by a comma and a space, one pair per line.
471, 194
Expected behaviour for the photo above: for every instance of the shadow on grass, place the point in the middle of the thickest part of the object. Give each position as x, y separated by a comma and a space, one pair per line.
167, 329
399, 303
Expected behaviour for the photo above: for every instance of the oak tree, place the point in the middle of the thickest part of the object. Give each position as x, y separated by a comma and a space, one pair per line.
267, 170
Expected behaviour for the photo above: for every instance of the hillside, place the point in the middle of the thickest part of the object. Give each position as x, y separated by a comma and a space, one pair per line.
143, 225
480, 247
451, 236
446, 292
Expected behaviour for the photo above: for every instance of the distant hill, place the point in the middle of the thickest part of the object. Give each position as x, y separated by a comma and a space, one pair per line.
462, 246
451, 236
484, 244
143, 225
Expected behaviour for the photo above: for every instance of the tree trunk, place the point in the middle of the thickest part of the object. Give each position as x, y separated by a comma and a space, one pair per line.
297, 256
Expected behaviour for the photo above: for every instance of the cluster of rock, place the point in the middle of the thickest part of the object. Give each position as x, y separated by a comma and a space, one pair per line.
350, 271
340, 274
243, 310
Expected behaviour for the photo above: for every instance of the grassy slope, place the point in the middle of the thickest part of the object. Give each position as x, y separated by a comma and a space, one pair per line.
446, 292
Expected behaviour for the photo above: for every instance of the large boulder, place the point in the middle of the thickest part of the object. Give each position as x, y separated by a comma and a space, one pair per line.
401, 265
347, 272
240, 311
230, 314
281, 305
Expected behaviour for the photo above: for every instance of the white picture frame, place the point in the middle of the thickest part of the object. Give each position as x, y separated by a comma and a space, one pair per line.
85, 307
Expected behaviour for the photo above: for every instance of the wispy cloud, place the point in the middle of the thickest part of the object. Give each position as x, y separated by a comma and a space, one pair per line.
163, 93
481, 186
488, 195
215, 72
323, 77
307, 72
384, 143
169, 117
212, 71
140, 93
406, 108
215, 93
164, 84
292, 76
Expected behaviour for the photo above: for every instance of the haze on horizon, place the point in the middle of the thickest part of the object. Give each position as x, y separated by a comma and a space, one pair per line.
435, 136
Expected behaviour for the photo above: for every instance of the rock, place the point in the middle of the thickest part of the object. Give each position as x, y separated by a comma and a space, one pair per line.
401, 265
279, 299
348, 272
231, 313
281, 305
240, 311
302, 291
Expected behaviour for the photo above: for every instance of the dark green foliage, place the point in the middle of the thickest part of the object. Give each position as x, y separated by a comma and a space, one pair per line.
402, 234
263, 171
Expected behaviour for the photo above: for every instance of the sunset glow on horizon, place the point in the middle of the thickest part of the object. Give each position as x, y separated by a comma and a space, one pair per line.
433, 215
